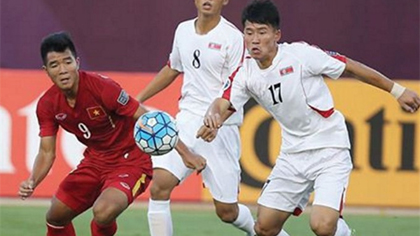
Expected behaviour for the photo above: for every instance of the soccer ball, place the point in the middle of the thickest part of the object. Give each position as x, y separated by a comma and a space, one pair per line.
155, 133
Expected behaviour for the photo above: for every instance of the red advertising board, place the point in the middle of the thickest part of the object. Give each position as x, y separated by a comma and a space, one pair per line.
385, 148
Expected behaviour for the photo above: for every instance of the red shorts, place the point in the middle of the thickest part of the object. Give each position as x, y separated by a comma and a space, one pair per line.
80, 189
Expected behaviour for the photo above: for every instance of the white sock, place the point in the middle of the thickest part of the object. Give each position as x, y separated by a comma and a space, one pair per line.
283, 233
342, 228
159, 216
245, 220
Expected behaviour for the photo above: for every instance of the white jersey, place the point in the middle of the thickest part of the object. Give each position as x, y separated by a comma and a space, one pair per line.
294, 92
206, 61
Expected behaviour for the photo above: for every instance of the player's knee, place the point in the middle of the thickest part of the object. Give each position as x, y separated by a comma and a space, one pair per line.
227, 217
159, 192
57, 218
227, 214
262, 230
105, 213
323, 227
163, 184
52, 220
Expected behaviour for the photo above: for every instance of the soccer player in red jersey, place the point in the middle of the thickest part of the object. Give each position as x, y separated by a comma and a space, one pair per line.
114, 171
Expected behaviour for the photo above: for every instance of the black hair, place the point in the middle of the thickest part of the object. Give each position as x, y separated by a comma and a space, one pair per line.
57, 42
261, 12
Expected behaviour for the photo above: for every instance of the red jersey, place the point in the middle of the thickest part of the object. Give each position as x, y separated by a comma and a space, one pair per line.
102, 117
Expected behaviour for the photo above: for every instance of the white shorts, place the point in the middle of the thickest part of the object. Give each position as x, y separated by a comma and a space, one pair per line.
222, 174
296, 175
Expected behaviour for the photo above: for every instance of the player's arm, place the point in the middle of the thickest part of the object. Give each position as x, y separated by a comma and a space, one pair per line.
208, 133
408, 99
190, 159
164, 78
139, 112
43, 163
216, 114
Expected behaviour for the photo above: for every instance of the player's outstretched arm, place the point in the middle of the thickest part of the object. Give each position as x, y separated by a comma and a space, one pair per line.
42, 166
164, 78
190, 159
140, 111
408, 99
207, 132
217, 113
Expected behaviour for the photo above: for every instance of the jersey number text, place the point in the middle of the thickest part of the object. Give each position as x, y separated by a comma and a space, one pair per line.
196, 62
275, 89
85, 130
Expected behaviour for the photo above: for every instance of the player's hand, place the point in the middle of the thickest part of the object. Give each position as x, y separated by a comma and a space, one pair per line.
206, 133
26, 189
195, 161
409, 101
212, 121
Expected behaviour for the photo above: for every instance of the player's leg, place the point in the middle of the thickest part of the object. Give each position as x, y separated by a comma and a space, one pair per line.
270, 221
122, 185
222, 177
285, 192
330, 185
342, 228
324, 220
59, 217
75, 194
159, 212
169, 171
111, 203
236, 214
327, 221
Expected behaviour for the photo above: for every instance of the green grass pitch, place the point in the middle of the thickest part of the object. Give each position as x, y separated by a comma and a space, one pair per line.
29, 221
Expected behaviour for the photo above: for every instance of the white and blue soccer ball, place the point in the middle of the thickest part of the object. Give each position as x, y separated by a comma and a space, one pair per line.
155, 133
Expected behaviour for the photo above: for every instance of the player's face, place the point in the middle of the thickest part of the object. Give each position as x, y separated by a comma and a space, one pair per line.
63, 69
261, 42
210, 7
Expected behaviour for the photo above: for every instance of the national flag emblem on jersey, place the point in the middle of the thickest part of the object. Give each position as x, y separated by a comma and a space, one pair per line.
95, 112
286, 70
215, 46
123, 98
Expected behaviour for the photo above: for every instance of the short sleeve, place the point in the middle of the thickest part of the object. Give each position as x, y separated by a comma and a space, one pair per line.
235, 90
47, 124
175, 62
236, 52
117, 99
319, 62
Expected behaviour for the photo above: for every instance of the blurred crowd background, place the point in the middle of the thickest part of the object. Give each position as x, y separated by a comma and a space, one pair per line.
136, 35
